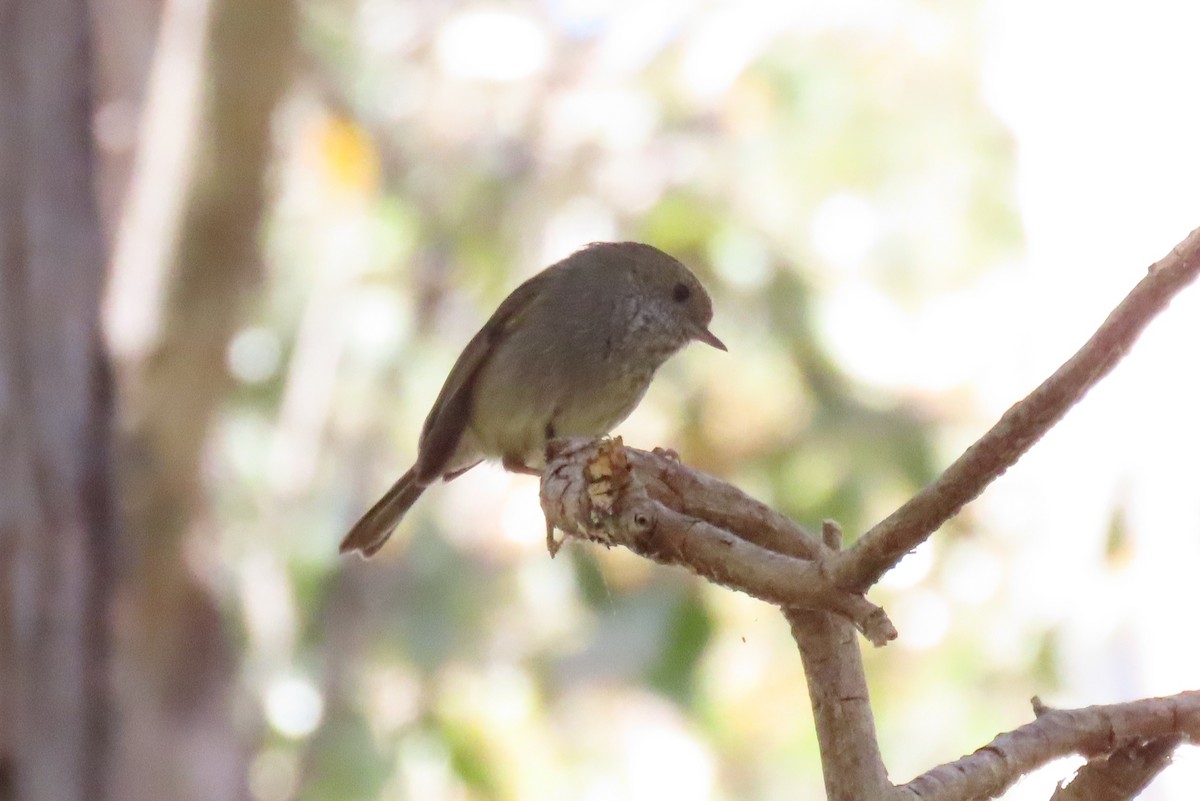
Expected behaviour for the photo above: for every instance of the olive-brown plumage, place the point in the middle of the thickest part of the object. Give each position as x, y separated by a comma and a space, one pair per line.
570, 352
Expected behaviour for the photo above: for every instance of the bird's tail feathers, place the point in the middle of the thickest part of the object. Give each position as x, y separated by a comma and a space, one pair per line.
375, 527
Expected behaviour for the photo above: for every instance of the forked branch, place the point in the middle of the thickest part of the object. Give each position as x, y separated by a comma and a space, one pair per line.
658, 508
663, 510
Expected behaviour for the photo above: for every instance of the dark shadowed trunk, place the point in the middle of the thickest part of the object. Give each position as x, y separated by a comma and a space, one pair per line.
56, 531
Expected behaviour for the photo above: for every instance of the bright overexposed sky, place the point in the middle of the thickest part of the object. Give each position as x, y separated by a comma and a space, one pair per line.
1100, 99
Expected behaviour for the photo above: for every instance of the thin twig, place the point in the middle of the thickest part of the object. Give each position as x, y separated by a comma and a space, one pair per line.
1092, 731
1121, 775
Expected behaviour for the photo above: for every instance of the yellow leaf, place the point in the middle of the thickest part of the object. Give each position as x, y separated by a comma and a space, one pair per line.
348, 156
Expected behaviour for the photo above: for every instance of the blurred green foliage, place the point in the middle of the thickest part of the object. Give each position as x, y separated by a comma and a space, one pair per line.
781, 156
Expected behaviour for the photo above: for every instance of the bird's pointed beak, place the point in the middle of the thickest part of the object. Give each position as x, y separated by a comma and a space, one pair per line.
709, 338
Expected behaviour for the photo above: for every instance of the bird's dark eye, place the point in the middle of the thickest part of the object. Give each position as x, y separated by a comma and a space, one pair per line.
681, 292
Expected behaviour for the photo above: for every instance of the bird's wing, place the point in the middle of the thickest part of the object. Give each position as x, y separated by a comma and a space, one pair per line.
451, 411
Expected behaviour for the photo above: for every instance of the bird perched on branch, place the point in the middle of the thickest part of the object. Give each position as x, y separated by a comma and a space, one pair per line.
570, 352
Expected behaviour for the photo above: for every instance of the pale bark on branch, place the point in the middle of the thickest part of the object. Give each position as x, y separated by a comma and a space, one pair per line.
600, 490
1094, 731
1121, 775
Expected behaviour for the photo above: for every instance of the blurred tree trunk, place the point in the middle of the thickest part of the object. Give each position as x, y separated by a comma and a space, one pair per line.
125, 34
187, 258
56, 530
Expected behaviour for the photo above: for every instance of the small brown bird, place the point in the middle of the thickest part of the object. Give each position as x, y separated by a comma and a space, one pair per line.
569, 353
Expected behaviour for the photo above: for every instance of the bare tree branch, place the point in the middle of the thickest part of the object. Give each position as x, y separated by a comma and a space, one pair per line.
873, 554
700, 495
851, 763
1121, 775
592, 489
1092, 731
663, 510
880, 548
